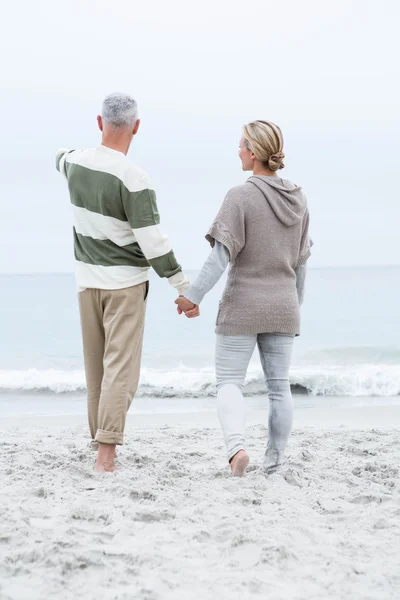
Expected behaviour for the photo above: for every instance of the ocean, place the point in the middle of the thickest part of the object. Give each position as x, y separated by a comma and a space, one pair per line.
349, 347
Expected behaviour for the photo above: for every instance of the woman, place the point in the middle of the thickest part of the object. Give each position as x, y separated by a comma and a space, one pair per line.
262, 231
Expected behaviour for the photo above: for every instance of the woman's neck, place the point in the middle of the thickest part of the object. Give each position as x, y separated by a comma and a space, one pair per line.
260, 170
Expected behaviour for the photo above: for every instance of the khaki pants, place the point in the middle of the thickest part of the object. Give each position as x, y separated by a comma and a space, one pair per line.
112, 331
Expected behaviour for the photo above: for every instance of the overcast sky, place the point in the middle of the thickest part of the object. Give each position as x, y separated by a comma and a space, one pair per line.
326, 72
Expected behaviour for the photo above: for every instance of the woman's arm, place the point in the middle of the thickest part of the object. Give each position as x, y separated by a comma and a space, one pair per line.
215, 266
210, 274
227, 237
301, 272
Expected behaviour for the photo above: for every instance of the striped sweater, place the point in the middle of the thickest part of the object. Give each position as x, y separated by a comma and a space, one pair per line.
117, 235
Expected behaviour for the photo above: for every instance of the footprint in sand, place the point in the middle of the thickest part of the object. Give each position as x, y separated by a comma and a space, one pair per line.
142, 495
153, 517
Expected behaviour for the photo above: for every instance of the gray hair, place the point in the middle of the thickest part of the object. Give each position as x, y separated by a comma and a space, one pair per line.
120, 110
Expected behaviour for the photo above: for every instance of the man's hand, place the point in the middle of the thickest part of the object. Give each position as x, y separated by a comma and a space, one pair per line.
183, 305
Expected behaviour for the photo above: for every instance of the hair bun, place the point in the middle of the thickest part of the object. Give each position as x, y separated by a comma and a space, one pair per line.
275, 161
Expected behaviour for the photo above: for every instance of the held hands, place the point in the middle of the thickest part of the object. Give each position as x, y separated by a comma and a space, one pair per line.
185, 306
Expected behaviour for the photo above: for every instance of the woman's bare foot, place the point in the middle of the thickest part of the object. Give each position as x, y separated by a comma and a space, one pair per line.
239, 463
105, 459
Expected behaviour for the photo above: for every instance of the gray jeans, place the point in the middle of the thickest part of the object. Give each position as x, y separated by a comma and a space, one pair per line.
233, 354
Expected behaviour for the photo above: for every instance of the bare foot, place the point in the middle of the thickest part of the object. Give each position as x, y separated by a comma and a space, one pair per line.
239, 463
105, 468
105, 459
95, 446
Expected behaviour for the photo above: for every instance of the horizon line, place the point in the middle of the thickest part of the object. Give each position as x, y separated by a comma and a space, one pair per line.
313, 268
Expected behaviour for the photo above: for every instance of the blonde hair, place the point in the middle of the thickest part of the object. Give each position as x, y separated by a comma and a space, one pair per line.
266, 141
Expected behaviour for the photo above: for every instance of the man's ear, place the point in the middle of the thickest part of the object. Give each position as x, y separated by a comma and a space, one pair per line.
136, 128
100, 122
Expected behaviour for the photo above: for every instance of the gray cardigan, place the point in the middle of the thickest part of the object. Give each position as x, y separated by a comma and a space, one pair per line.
263, 224
215, 266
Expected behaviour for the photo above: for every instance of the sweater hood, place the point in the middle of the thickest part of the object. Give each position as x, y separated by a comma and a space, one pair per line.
287, 200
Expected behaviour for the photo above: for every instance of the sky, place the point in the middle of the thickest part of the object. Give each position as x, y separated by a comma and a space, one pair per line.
326, 72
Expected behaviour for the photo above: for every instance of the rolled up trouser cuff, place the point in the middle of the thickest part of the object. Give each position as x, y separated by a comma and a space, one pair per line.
236, 449
109, 437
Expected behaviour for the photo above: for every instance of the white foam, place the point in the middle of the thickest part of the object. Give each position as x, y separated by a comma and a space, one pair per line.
48, 380
359, 380
324, 380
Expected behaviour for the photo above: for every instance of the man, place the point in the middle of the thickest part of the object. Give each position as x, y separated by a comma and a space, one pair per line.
117, 239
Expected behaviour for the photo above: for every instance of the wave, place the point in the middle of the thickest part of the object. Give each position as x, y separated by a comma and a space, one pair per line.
355, 355
184, 382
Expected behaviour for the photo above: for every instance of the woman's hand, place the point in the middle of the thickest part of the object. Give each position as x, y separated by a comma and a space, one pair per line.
185, 306
194, 312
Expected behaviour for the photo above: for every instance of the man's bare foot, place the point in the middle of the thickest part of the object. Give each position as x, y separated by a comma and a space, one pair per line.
105, 459
239, 463
95, 446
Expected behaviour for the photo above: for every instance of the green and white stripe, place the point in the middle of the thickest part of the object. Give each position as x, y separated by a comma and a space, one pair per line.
117, 234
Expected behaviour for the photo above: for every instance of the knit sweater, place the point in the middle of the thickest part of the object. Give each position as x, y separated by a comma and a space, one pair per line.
117, 236
215, 266
264, 225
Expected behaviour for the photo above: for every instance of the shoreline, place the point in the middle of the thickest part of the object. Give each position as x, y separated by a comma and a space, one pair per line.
70, 411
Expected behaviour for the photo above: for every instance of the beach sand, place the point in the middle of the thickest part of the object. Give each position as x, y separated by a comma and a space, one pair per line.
172, 524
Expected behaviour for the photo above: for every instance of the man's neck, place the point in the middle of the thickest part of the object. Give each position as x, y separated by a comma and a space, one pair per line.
120, 144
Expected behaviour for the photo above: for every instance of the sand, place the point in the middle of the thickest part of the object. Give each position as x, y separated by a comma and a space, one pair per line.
172, 524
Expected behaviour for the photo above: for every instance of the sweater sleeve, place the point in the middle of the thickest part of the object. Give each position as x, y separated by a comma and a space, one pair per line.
143, 216
228, 227
306, 242
210, 274
61, 156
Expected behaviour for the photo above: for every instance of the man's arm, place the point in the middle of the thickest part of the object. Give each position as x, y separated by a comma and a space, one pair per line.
61, 155
143, 216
